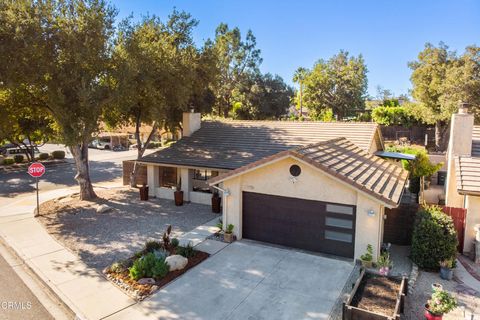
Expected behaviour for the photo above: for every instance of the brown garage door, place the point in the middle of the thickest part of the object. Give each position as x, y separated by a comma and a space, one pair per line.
304, 224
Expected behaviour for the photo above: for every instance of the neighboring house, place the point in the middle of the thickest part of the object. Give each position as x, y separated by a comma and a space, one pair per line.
309, 185
463, 176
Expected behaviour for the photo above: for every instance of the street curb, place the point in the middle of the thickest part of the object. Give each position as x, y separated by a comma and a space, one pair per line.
23, 167
46, 289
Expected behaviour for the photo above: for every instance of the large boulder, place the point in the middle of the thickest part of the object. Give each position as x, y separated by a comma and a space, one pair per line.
176, 262
146, 281
103, 208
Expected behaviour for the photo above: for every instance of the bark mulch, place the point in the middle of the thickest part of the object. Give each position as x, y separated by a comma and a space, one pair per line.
377, 294
139, 291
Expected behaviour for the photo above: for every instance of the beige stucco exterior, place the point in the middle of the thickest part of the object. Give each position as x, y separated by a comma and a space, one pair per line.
472, 204
274, 179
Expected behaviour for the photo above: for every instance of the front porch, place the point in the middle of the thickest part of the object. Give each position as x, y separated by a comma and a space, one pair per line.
163, 181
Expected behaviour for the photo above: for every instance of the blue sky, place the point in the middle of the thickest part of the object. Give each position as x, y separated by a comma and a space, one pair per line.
297, 33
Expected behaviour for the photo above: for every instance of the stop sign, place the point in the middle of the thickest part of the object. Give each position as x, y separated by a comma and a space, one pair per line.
36, 170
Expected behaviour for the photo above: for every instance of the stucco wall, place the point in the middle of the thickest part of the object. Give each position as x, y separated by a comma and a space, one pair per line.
472, 204
312, 184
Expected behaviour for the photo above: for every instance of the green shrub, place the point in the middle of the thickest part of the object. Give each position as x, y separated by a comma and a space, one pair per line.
152, 245
187, 251
8, 161
2, 159
119, 267
368, 255
393, 115
43, 156
148, 266
58, 154
18, 158
174, 242
434, 238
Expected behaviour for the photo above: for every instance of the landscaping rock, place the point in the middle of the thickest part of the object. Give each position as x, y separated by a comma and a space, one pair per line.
176, 262
103, 208
146, 281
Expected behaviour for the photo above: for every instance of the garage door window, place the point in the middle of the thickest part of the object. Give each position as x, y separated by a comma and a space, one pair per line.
338, 236
339, 223
335, 208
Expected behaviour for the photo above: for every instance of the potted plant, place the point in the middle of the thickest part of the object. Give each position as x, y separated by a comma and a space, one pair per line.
228, 234
178, 194
446, 269
216, 201
384, 264
367, 257
440, 303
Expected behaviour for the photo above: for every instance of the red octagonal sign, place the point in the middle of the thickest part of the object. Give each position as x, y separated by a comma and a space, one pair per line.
36, 170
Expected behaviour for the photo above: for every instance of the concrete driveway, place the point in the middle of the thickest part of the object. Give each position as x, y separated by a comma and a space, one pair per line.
248, 280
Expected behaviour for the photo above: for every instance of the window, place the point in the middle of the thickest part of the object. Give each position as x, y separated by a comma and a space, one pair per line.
335, 208
168, 177
339, 223
200, 178
204, 175
295, 170
338, 236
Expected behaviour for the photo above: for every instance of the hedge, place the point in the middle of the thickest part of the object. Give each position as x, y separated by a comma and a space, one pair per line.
18, 158
43, 156
8, 161
434, 238
58, 154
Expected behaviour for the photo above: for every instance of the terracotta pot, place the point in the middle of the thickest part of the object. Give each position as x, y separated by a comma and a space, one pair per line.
216, 201
431, 316
178, 198
228, 237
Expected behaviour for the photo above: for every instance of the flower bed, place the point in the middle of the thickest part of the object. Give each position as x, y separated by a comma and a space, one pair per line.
376, 297
149, 270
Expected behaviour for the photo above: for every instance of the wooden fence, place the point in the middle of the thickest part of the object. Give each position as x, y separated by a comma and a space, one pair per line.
458, 216
398, 227
127, 170
414, 133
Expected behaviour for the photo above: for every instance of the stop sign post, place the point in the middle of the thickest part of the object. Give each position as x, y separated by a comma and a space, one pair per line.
36, 170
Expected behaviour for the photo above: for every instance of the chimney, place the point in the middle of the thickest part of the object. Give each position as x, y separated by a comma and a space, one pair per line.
461, 130
460, 144
191, 122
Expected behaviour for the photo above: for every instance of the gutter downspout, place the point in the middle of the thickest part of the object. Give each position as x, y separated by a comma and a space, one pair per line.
225, 193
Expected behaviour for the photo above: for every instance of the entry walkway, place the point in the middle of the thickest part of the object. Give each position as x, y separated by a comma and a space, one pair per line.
85, 291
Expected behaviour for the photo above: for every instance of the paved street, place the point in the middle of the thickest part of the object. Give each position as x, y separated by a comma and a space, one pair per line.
16, 190
105, 166
16, 299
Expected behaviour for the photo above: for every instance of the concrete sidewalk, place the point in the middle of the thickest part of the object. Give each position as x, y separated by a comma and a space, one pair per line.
82, 289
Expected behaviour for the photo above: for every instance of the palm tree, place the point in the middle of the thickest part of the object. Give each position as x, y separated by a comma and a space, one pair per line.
298, 77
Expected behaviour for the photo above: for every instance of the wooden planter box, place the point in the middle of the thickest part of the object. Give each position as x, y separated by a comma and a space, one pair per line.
351, 312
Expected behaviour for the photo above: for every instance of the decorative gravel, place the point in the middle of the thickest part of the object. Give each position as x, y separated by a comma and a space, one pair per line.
101, 239
468, 300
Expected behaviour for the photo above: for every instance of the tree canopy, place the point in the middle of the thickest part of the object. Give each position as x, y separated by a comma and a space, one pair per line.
60, 53
338, 84
441, 79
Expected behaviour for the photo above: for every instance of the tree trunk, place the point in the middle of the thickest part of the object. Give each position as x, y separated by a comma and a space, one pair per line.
441, 130
80, 155
140, 148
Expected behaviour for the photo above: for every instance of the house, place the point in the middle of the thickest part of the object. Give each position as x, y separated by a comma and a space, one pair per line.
463, 175
309, 185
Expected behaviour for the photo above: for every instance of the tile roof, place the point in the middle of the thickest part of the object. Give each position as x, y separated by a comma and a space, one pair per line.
233, 144
347, 162
467, 171
476, 141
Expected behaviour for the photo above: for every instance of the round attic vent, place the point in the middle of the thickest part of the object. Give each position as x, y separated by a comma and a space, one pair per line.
295, 170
